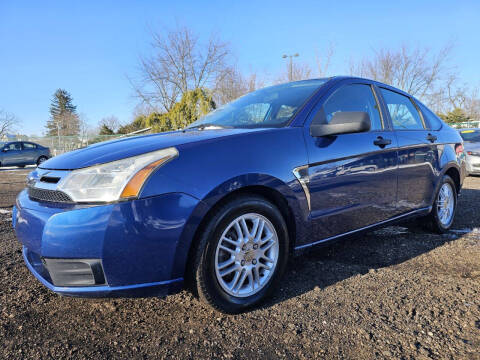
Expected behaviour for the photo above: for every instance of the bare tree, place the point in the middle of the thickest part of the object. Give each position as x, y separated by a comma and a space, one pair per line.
472, 105
417, 71
179, 63
8, 122
234, 84
452, 95
111, 122
323, 61
297, 71
84, 128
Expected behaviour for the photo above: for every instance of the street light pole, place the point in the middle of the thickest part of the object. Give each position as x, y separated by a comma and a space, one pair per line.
290, 65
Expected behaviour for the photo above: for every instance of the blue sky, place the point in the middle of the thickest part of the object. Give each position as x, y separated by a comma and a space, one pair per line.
90, 47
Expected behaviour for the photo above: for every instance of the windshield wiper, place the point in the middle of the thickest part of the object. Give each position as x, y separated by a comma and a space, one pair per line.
207, 125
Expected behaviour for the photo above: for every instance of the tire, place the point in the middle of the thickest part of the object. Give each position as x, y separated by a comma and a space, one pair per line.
41, 159
435, 221
210, 255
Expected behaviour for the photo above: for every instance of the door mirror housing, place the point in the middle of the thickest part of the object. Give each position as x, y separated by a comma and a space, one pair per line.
5, 149
343, 122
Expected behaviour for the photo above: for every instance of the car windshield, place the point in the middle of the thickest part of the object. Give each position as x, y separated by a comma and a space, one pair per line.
273, 106
470, 135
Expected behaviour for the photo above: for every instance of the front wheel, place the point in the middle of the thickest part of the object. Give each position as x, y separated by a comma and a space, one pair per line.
241, 254
441, 218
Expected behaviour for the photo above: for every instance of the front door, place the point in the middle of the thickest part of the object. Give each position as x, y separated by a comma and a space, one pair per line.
352, 177
13, 154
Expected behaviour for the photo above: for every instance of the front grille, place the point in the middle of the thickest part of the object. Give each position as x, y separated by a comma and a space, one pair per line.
48, 195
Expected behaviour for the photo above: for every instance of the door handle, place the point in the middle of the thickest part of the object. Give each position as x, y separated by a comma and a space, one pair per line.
431, 138
380, 141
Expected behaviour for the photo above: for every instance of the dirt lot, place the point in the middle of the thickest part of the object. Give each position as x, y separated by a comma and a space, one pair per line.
394, 293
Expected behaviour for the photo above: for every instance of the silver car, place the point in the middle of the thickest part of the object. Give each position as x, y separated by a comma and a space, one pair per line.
21, 153
471, 138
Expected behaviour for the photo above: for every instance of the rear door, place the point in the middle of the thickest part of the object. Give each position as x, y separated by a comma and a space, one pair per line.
352, 177
30, 153
417, 151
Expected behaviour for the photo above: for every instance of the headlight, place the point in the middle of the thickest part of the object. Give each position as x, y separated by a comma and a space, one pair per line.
121, 179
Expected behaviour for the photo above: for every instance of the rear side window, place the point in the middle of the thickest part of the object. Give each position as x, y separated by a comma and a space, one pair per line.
28, 146
404, 114
355, 97
433, 120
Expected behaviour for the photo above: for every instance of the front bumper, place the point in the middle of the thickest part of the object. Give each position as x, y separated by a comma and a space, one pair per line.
473, 164
139, 243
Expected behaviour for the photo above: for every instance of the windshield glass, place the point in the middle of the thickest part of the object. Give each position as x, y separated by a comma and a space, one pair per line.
273, 106
470, 135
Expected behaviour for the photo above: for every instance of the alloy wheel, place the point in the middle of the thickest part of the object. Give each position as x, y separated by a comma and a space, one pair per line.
445, 204
246, 255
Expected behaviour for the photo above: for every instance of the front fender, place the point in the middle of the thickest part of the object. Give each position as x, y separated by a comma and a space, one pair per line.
291, 192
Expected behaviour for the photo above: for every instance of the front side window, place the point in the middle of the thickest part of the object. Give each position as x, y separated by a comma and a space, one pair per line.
355, 97
273, 106
13, 146
404, 114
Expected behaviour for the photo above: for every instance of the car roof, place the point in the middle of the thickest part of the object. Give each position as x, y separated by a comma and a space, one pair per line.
338, 78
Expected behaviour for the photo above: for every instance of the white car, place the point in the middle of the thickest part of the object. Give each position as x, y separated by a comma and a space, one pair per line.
471, 138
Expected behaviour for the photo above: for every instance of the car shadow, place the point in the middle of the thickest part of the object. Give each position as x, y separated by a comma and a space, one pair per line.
323, 266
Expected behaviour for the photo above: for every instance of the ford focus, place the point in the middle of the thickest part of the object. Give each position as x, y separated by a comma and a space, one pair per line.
220, 206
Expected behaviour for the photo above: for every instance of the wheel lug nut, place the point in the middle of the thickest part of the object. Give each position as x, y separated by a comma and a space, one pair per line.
254, 261
242, 263
244, 247
255, 246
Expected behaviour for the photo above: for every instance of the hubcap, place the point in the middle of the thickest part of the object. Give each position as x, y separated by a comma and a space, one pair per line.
246, 255
445, 204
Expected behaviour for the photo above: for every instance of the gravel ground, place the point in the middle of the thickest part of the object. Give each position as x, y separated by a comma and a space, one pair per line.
393, 293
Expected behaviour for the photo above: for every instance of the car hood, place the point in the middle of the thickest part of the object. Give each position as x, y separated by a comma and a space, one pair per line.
122, 148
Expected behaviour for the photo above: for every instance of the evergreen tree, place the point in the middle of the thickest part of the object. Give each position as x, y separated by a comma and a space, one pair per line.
191, 107
457, 115
105, 130
137, 124
63, 115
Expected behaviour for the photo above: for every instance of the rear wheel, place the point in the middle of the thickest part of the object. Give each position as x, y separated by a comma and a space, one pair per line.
241, 254
441, 218
41, 159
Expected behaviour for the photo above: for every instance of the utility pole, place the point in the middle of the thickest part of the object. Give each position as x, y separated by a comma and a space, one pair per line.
290, 65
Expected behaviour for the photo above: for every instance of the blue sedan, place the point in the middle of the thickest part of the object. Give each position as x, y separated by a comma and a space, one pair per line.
21, 153
220, 206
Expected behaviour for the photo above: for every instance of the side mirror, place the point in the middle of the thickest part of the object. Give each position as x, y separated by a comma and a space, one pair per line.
4, 149
344, 122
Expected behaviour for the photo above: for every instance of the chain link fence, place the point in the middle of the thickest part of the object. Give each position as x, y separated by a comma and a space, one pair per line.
466, 124
62, 144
